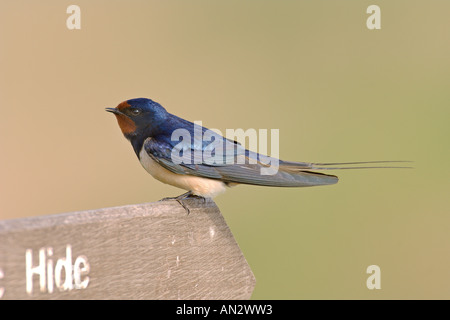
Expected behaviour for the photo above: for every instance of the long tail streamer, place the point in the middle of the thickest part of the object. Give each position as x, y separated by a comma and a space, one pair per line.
357, 165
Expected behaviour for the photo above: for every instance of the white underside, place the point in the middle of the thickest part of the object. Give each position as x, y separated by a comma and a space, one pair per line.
200, 186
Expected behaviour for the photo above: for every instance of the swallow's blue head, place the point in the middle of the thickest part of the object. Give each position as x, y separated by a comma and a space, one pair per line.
139, 117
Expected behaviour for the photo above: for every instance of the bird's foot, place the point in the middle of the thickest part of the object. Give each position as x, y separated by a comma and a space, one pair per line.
182, 197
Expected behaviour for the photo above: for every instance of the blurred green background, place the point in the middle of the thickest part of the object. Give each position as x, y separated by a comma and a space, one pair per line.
336, 90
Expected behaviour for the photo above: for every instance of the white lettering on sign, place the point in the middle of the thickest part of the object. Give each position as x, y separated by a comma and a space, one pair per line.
2, 290
62, 275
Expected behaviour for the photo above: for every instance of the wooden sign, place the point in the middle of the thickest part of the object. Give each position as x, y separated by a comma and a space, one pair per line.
147, 251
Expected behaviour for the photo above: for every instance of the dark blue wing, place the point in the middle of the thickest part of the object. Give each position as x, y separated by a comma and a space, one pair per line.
233, 164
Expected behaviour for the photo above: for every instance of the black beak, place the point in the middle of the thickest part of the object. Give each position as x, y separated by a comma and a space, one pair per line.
113, 110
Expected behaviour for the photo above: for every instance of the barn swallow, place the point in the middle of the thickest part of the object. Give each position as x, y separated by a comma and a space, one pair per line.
149, 128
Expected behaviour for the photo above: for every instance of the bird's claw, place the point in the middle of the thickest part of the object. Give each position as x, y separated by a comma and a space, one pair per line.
182, 197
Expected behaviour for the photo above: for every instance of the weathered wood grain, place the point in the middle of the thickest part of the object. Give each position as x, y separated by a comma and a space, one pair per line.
146, 251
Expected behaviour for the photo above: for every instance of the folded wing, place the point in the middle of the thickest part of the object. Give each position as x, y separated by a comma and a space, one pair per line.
234, 165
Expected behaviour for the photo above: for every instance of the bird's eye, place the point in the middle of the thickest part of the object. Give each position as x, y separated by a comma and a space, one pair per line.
135, 111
